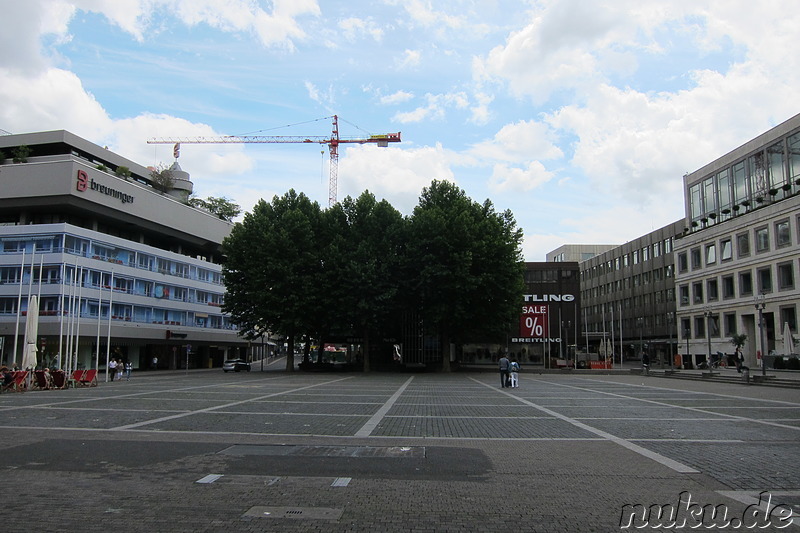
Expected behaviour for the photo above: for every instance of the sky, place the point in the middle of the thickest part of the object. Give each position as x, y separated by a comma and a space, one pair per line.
580, 116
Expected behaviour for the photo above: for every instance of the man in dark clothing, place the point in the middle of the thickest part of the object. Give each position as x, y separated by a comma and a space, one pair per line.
504, 365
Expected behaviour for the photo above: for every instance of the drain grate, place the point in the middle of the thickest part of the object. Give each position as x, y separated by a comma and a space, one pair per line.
305, 513
327, 451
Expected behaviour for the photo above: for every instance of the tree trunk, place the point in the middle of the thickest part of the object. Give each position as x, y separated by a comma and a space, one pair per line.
290, 353
365, 349
446, 353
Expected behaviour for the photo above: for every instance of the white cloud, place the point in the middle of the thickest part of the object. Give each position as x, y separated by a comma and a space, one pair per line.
394, 174
325, 98
410, 59
50, 100
353, 27
508, 179
397, 97
520, 142
434, 108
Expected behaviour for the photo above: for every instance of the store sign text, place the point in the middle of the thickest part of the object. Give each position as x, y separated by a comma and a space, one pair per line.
84, 183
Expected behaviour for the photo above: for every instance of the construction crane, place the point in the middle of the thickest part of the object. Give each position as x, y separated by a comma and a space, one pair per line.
333, 143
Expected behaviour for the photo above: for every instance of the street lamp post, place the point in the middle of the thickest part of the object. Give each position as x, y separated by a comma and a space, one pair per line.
708, 314
640, 323
686, 333
670, 355
760, 305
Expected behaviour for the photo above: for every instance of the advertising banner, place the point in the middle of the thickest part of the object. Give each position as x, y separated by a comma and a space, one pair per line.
533, 322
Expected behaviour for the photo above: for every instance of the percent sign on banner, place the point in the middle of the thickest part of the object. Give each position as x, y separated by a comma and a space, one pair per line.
533, 321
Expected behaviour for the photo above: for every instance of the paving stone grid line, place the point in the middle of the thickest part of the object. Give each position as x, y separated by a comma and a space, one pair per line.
740, 442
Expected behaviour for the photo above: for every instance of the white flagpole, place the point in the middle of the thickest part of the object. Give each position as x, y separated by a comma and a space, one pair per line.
61, 315
78, 318
70, 334
19, 308
108, 338
99, 314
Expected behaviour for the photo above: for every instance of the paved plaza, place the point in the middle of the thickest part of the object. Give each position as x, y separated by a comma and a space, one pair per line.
206, 451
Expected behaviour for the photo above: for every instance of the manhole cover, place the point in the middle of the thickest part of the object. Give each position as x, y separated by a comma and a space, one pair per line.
306, 513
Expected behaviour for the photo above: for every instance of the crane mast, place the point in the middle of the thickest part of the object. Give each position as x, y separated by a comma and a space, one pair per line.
333, 143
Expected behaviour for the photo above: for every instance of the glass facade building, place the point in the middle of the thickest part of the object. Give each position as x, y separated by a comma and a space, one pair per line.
118, 266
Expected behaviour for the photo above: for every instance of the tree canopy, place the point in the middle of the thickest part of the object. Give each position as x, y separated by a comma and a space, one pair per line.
221, 206
359, 267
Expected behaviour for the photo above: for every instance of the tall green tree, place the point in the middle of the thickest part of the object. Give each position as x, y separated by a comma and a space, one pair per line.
272, 267
468, 266
373, 236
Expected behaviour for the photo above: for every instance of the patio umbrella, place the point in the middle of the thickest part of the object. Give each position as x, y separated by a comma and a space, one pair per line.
788, 342
31, 333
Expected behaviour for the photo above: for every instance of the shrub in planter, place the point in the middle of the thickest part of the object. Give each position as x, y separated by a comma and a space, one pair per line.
793, 364
778, 363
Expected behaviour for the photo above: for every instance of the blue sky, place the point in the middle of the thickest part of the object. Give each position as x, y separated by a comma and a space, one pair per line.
581, 117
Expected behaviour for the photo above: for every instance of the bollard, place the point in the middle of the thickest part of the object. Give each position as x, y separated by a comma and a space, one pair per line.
746, 376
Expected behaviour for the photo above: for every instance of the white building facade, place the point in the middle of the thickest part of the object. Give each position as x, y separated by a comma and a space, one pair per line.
739, 256
119, 267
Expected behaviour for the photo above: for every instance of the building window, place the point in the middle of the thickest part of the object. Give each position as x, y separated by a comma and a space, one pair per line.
783, 235
789, 316
785, 276
697, 260
683, 291
646, 253
726, 250
700, 326
686, 328
713, 326
712, 292
743, 244
745, 283
711, 254
636, 257
728, 290
668, 245
668, 271
729, 321
697, 290
657, 249
762, 239
683, 265
764, 276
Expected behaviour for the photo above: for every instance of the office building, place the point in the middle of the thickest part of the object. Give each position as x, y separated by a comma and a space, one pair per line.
118, 261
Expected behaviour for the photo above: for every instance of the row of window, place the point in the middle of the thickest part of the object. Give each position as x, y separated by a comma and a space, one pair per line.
770, 174
109, 253
635, 302
768, 278
124, 312
95, 279
640, 255
723, 250
703, 326
637, 280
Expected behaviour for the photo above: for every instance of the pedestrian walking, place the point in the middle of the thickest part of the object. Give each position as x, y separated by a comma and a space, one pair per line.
112, 368
128, 370
504, 366
154, 363
119, 369
514, 369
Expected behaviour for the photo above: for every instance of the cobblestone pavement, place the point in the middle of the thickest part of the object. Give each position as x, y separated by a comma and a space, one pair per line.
273, 451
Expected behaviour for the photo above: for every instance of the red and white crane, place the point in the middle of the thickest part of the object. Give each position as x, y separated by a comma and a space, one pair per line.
333, 143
